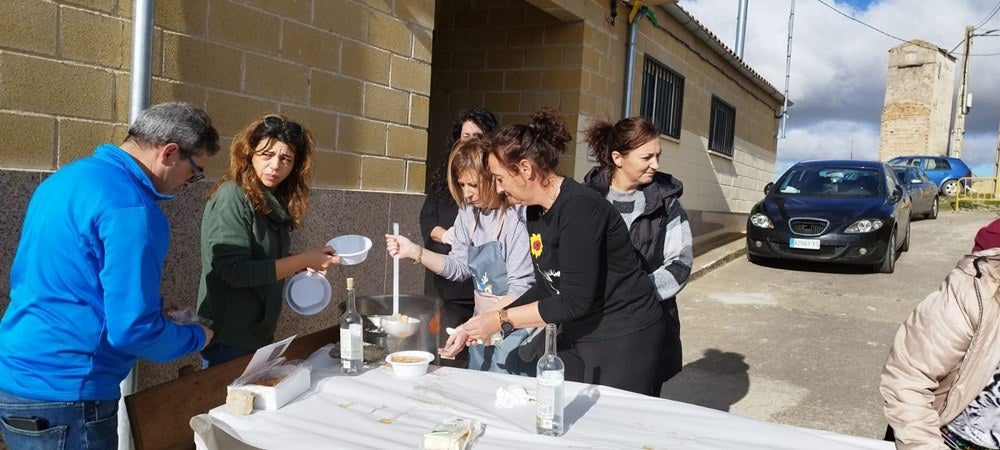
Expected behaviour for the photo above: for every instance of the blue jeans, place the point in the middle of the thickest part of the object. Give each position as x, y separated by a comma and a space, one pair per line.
62, 425
216, 354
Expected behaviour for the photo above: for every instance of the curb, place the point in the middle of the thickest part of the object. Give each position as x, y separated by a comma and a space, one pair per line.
717, 258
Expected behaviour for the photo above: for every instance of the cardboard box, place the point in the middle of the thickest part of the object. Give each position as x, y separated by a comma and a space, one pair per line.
294, 381
265, 366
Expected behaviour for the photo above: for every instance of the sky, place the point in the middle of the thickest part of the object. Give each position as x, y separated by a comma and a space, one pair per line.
838, 66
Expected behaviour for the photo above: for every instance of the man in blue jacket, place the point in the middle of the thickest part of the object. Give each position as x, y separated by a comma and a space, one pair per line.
85, 299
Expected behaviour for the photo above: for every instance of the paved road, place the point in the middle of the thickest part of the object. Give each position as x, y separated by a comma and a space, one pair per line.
803, 344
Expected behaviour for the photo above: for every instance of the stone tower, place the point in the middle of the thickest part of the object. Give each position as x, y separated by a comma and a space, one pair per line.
916, 115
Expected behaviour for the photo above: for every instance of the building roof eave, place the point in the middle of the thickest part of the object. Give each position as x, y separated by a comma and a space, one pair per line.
721, 49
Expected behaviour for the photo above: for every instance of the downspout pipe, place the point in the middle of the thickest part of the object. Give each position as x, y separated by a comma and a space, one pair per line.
741, 27
142, 44
633, 31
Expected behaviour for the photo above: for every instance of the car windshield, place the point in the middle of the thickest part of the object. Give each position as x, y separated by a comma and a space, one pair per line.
830, 182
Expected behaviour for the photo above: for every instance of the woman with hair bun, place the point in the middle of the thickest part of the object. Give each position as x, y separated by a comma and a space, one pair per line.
588, 278
628, 153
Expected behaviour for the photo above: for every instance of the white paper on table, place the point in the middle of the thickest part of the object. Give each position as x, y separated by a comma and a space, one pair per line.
378, 410
267, 356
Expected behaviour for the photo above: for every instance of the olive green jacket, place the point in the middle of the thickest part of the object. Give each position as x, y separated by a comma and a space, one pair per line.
239, 291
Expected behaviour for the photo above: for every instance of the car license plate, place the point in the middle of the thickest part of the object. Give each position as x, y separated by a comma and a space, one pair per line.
808, 244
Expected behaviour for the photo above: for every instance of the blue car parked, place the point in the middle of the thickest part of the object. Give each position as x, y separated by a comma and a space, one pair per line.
942, 170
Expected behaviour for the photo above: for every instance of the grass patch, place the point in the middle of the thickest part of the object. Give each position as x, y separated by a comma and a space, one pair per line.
969, 204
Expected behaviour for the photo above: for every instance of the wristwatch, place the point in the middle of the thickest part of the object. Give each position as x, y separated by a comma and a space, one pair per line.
506, 326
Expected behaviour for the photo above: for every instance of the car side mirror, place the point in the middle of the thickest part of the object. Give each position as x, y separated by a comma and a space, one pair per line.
768, 186
897, 194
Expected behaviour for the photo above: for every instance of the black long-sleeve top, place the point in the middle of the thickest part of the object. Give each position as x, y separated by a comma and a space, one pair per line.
587, 275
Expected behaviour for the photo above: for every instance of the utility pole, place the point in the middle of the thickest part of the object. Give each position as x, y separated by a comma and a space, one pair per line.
963, 101
996, 167
788, 69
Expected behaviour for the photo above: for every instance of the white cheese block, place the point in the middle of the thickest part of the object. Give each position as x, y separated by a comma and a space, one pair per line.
295, 381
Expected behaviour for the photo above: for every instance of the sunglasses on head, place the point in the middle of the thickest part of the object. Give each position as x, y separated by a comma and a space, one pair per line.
275, 124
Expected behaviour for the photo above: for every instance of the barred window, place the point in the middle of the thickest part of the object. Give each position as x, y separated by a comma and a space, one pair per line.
722, 127
662, 97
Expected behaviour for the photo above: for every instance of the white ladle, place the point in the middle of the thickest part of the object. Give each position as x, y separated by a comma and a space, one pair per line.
393, 326
395, 276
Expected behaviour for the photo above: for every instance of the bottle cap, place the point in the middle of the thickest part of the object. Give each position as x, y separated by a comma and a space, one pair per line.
350, 283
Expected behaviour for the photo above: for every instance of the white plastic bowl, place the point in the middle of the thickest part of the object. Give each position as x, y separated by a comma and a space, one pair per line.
351, 248
308, 293
409, 369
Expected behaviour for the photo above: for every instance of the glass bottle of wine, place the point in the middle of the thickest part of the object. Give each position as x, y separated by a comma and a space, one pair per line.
351, 335
549, 394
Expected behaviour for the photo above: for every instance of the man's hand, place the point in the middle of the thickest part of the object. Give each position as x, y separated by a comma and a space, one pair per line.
209, 334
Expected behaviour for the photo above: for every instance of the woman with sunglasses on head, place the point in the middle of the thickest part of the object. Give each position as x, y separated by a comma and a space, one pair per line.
588, 278
245, 236
628, 153
490, 247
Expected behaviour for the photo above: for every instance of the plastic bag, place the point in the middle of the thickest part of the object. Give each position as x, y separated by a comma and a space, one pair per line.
185, 316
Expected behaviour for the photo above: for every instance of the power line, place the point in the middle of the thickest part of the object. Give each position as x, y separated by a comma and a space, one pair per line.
931, 47
992, 13
858, 21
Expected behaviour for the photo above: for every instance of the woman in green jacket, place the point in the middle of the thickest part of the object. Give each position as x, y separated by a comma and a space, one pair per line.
245, 236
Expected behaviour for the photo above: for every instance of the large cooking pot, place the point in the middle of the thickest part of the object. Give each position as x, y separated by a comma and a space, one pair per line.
372, 308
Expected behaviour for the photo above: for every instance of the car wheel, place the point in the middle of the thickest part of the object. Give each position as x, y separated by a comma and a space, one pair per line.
950, 188
888, 265
933, 213
906, 241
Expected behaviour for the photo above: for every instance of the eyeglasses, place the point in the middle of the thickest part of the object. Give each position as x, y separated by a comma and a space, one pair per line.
275, 124
199, 172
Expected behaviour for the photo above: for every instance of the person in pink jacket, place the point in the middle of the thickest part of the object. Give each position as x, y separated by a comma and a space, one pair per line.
941, 381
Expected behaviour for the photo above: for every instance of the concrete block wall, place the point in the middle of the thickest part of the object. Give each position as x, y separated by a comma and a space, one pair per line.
498, 71
505, 55
356, 73
713, 183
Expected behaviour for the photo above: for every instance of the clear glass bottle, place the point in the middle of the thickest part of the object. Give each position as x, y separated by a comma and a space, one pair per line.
351, 335
549, 392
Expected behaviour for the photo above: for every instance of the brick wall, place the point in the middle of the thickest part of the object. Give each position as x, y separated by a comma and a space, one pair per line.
916, 116
356, 73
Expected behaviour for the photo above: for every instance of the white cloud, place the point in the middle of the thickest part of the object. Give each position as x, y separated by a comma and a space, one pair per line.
838, 67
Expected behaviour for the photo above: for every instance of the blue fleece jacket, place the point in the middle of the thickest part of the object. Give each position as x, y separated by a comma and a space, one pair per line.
85, 284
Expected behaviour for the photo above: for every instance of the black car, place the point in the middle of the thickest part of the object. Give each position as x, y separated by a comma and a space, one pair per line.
852, 212
923, 192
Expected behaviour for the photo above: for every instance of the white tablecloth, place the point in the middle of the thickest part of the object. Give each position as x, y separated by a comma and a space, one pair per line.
378, 410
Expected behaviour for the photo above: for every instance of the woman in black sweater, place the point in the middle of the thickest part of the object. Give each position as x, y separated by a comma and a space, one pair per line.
588, 278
